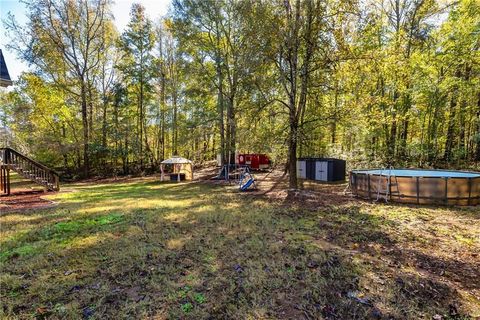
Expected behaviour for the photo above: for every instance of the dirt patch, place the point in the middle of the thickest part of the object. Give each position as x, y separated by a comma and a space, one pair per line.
24, 200
273, 185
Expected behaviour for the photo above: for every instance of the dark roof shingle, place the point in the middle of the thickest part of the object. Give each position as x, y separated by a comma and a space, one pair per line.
4, 76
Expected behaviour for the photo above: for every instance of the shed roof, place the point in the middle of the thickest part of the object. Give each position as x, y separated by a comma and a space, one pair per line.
176, 160
5, 80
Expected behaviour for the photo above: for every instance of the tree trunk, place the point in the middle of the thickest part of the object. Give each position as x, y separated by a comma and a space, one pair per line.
233, 133
292, 153
231, 130
477, 155
392, 141
462, 112
104, 127
90, 108
451, 126
402, 150
220, 96
462, 135
163, 136
115, 117
86, 158
220, 108
174, 123
64, 154
140, 122
334, 120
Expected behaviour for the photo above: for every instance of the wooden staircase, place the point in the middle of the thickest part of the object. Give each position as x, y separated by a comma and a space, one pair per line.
27, 168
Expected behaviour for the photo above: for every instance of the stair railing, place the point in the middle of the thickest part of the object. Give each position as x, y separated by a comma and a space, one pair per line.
30, 168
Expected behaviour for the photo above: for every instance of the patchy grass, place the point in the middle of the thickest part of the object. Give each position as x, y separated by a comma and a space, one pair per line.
141, 249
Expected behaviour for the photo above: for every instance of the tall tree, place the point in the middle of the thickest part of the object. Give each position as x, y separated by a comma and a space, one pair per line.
299, 28
137, 42
64, 40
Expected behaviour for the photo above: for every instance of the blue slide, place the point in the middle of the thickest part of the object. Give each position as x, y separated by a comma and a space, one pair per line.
247, 184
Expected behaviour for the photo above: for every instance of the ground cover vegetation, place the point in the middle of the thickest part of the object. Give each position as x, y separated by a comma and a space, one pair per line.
141, 248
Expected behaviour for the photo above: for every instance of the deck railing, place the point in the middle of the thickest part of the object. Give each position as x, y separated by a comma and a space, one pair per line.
29, 168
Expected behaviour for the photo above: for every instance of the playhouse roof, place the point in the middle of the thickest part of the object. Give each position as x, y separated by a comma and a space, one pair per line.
5, 80
176, 160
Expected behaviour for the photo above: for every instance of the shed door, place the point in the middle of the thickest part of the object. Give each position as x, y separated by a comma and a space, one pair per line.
321, 170
301, 170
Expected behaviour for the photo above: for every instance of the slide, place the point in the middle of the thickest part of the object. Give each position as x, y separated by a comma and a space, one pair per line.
247, 184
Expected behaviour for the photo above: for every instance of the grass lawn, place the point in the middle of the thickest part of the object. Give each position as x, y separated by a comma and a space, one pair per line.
145, 249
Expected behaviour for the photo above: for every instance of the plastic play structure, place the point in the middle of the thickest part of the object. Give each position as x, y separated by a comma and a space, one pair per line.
239, 174
247, 180
240, 171
177, 168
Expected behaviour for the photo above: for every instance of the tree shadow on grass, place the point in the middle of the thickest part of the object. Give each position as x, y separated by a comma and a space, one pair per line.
206, 258
404, 291
465, 274
226, 264
469, 212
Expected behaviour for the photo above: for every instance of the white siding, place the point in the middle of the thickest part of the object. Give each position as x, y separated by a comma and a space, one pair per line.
321, 170
301, 169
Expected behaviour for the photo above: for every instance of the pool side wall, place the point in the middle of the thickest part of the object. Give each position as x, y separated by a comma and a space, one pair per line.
418, 190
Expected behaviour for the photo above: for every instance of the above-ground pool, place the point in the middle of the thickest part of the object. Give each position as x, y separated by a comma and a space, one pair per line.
417, 186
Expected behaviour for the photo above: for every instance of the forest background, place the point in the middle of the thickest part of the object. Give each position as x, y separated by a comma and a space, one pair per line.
376, 82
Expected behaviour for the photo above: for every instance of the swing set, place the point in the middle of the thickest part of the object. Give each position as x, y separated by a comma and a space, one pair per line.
239, 174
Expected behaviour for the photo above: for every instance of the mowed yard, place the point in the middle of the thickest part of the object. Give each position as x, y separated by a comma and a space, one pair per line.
144, 249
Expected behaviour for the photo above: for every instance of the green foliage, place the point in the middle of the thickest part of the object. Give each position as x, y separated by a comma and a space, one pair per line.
187, 307
199, 298
378, 85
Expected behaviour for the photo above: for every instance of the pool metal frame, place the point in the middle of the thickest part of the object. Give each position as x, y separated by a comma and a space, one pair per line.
416, 189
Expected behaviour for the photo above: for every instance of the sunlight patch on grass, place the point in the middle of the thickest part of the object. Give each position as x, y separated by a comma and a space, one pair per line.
468, 240
110, 206
176, 216
84, 242
134, 231
18, 218
34, 240
178, 243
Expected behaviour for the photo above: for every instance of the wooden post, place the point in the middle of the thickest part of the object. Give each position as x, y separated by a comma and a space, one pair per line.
4, 179
389, 182
418, 190
369, 187
446, 190
8, 181
469, 191
57, 183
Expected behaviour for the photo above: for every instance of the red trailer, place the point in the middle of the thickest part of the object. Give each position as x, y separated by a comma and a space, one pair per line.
255, 161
